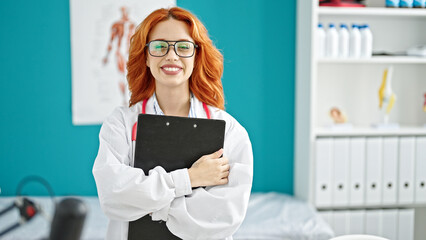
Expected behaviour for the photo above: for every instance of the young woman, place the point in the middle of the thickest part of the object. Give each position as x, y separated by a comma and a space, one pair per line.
174, 69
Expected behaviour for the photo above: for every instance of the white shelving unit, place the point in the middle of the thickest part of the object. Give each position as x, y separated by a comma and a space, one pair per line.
372, 11
353, 84
368, 131
375, 59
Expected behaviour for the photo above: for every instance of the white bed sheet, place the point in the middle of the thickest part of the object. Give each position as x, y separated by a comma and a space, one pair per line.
278, 216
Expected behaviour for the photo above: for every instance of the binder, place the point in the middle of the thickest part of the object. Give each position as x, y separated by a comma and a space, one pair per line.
173, 143
390, 224
406, 170
357, 171
390, 170
356, 222
406, 224
340, 190
340, 223
323, 172
373, 222
420, 188
373, 171
327, 216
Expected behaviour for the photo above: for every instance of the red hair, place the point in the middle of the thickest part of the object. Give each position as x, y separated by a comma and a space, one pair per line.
205, 82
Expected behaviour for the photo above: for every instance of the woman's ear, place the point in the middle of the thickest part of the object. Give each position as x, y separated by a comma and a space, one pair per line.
147, 62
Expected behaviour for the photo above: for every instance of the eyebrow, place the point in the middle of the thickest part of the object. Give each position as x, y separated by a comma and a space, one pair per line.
163, 39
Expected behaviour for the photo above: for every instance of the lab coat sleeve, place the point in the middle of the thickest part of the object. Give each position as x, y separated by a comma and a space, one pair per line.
217, 212
126, 193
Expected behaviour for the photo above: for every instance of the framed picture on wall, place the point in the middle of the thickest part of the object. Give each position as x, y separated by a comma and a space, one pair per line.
100, 38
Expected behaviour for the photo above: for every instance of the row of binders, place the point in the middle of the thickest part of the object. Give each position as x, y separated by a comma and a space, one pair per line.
392, 224
370, 171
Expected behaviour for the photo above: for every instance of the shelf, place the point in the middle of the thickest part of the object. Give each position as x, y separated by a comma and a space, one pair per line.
371, 207
385, 59
359, 132
372, 11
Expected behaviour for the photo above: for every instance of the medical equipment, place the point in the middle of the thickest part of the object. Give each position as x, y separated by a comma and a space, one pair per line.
68, 220
27, 210
387, 98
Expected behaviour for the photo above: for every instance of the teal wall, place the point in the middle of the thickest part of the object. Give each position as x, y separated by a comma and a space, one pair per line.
257, 39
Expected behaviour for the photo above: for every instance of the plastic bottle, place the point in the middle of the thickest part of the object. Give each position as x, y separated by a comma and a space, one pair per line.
343, 41
406, 3
366, 42
419, 3
321, 46
354, 42
392, 3
332, 41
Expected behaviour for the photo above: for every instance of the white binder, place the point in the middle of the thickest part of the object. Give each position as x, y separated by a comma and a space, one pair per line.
406, 170
390, 170
373, 222
420, 188
340, 220
406, 224
323, 172
357, 171
356, 222
327, 216
390, 224
373, 165
340, 193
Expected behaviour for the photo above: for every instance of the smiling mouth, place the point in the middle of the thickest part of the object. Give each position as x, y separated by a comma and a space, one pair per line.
171, 70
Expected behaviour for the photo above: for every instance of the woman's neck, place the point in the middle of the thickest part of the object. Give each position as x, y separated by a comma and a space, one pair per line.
174, 102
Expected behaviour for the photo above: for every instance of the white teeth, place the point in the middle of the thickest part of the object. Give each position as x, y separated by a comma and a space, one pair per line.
171, 69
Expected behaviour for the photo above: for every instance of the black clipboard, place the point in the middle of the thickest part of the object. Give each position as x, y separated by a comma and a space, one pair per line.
173, 143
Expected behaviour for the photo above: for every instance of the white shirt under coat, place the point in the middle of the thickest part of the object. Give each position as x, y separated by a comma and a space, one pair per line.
127, 193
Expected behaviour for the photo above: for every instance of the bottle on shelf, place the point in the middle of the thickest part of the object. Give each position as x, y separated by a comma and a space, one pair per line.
366, 41
406, 3
392, 3
321, 38
343, 41
355, 42
332, 42
419, 3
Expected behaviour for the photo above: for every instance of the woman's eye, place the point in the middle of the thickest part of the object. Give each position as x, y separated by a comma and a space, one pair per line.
183, 47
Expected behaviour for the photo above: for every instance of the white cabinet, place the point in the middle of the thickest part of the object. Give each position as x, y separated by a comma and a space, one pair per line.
352, 85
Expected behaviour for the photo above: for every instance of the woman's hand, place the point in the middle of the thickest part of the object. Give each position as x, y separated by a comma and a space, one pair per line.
209, 170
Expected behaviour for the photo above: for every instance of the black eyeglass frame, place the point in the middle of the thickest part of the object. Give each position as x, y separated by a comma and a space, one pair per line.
174, 47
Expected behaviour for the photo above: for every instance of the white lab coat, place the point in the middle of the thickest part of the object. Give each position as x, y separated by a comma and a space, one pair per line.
127, 193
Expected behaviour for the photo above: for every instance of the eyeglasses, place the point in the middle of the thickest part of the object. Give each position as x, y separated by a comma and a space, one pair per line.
160, 48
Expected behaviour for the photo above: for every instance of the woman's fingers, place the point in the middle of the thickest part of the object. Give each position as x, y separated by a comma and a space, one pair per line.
223, 181
224, 174
226, 167
214, 155
223, 160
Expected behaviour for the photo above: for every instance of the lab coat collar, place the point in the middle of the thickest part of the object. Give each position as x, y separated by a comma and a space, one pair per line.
196, 105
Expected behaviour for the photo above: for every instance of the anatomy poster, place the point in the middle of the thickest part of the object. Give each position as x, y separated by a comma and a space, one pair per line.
100, 34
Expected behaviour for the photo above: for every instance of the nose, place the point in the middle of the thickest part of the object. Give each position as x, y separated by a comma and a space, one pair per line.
171, 55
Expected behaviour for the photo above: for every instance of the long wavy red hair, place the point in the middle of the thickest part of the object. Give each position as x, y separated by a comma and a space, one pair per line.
205, 82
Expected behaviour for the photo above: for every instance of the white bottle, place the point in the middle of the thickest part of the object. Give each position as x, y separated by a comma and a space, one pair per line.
343, 41
355, 42
332, 42
321, 36
366, 42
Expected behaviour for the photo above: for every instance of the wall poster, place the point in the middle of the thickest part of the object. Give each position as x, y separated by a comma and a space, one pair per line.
100, 34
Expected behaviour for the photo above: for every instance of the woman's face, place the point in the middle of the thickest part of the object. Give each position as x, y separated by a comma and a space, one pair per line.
170, 70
